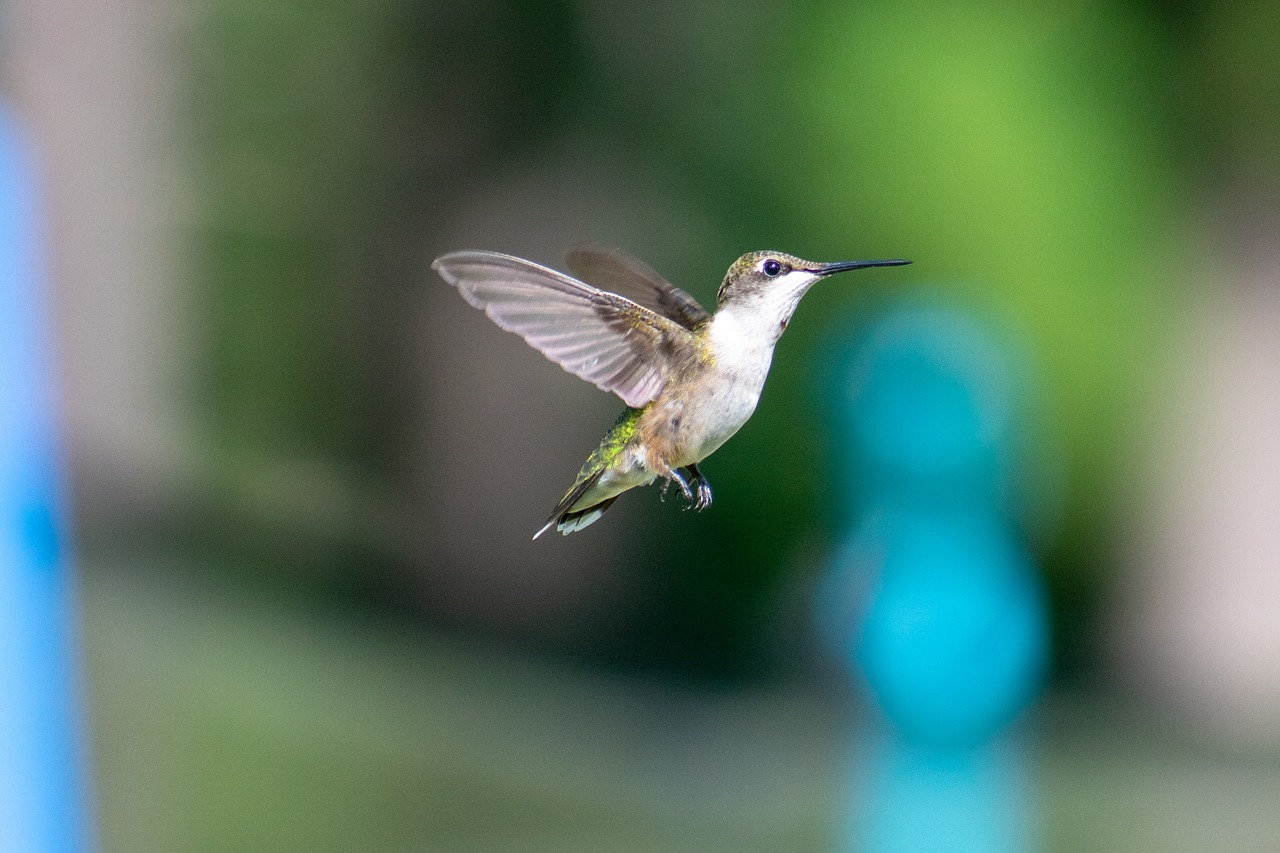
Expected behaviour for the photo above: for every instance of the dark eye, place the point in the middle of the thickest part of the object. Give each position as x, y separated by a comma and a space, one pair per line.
771, 267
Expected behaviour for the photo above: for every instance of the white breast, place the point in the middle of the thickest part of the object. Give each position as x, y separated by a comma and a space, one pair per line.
743, 341
741, 362
742, 336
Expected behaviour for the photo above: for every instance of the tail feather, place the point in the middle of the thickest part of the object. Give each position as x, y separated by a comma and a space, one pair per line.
567, 520
572, 521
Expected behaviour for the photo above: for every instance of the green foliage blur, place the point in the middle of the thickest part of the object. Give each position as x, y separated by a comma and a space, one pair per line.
1037, 161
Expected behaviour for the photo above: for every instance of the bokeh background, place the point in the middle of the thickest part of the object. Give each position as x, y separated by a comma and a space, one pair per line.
304, 473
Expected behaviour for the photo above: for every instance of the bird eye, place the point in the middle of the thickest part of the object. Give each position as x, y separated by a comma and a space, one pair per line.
771, 267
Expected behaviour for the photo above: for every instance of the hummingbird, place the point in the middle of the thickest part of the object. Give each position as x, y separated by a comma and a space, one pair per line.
689, 378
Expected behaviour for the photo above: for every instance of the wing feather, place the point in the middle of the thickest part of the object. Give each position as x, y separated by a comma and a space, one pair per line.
609, 340
618, 272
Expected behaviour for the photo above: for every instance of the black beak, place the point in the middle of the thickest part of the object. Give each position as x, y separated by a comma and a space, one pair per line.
845, 266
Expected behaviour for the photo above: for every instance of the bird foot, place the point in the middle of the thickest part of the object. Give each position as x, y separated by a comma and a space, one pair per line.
680, 481
683, 483
699, 497
704, 496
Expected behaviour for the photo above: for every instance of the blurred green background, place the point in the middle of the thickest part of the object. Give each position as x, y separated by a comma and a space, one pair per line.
307, 473
1025, 157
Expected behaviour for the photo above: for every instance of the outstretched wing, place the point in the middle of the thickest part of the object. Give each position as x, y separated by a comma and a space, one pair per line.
615, 270
607, 340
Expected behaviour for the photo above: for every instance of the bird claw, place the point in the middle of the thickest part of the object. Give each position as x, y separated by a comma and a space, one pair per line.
699, 497
704, 496
696, 497
685, 491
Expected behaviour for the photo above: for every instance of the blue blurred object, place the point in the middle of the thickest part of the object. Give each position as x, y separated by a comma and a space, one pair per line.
907, 798
927, 405
934, 602
43, 801
953, 639
934, 599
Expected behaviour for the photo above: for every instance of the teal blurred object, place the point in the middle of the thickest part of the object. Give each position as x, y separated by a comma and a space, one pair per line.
917, 799
934, 602
934, 599
953, 643
928, 405
43, 802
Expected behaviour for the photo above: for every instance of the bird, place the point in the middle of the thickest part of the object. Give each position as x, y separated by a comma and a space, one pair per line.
689, 378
